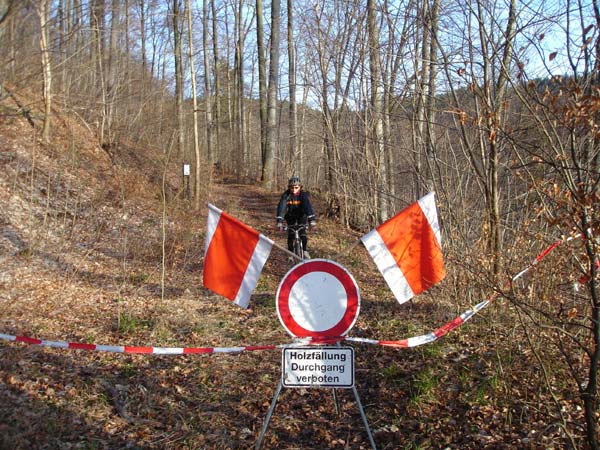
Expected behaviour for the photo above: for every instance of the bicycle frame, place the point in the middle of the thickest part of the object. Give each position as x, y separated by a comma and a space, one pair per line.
298, 249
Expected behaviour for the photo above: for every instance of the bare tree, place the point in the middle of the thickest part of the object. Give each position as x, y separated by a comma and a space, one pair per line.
494, 109
424, 97
217, 84
419, 99
262, 83
242, 149
430, 142
560, 153
177, 50
97, 47
377, 113
329, 124
111, 82
142, 6
43, 11
195, 106
490, 53
337, 38
207, 88
293, 112
269, 163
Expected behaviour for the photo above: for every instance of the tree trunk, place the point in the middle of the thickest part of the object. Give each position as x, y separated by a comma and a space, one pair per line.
181, 152
229, 114
98, 45
293, 115
262, 84
377, 113
43, 10
217, 81
419, 148
195, 106
268, 167
111, 72
207, 89
242, 166
431, 94
143, 45
128, 47
494, 124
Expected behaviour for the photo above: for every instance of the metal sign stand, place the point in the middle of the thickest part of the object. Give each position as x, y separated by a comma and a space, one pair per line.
315, 285
269, 414
337, 409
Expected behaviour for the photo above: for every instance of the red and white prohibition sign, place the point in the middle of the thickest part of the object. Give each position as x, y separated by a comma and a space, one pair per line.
318, 298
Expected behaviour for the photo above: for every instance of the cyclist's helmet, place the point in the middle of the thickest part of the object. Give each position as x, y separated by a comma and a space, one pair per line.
294, 181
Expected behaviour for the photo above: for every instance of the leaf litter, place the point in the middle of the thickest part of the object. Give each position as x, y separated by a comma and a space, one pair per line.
81, 255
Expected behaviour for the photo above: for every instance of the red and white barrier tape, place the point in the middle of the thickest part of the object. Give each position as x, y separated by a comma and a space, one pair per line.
403, 343
415, 341
134, 349
542, 255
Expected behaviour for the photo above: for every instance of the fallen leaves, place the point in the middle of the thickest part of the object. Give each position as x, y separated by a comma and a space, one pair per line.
94, 276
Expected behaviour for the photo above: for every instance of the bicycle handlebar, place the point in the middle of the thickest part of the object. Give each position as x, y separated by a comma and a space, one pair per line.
303, 226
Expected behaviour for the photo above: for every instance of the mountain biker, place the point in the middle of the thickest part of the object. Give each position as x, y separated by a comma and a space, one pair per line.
295, 208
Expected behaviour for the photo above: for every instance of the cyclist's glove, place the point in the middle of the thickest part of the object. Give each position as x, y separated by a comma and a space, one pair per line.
279, 226
313, 224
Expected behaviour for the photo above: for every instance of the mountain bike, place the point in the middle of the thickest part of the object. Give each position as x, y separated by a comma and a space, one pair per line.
298, 249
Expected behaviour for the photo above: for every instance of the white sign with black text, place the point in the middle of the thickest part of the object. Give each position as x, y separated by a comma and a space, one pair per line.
318, 367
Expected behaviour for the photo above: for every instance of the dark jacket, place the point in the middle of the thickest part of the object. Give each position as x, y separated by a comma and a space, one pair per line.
295, 208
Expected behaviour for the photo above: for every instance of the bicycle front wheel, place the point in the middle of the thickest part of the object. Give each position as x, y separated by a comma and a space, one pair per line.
298, 250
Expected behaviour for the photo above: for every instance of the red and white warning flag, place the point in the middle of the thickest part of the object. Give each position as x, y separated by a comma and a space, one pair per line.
407, 249
234, 256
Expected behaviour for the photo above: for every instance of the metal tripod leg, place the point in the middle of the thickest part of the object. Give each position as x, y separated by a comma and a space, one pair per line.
360, 408
364, 418
269, 414
274, 403
336, 402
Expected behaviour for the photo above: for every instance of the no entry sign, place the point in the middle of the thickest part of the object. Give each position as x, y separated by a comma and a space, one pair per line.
318, 298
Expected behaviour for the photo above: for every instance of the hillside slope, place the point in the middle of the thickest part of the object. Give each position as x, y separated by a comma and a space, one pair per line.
81, 251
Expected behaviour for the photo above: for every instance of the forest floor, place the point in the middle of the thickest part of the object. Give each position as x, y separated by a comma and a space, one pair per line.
81, 246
